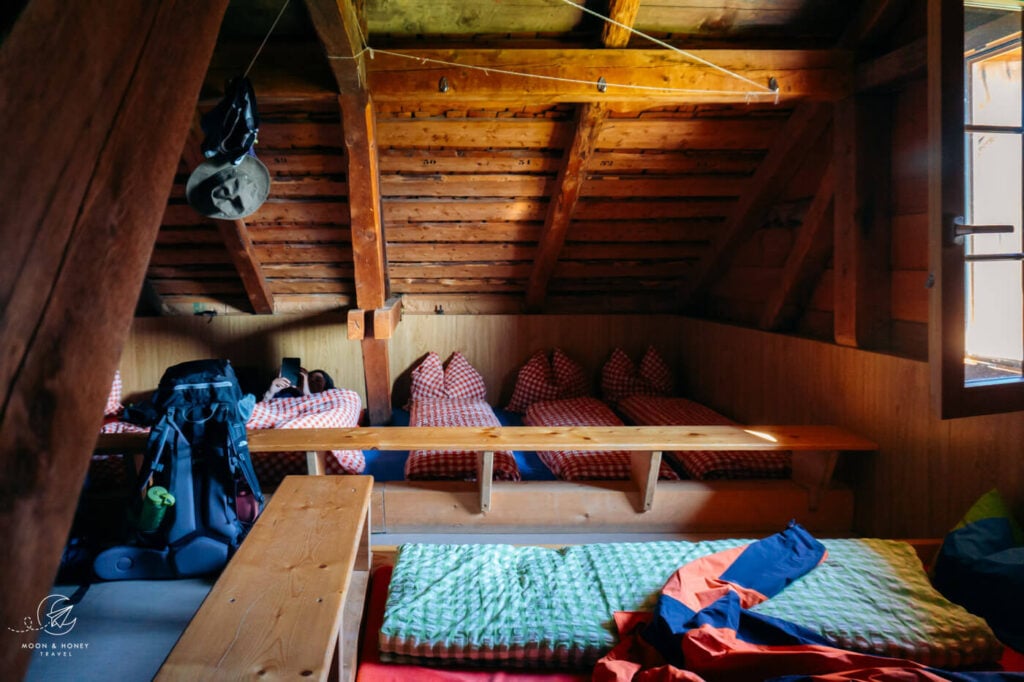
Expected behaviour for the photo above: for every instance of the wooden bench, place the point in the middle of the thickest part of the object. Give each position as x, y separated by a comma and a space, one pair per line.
291, 598
815, 448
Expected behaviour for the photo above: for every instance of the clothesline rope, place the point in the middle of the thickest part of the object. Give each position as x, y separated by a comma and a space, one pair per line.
762, 90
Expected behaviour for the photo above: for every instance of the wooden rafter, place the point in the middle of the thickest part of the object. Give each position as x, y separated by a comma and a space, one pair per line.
807, 258
804, 126
572, 174
337, 25
567, 192
894, 68
79, 214
236, 238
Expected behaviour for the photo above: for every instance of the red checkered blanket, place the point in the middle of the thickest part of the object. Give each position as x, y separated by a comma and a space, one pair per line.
454, 464
577, 465
333, 408
660, 411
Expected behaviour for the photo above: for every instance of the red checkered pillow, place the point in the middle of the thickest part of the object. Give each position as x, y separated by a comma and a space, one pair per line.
582, 465
540, 380
461, 380
569, 375
621, 379
428, 379
114, 406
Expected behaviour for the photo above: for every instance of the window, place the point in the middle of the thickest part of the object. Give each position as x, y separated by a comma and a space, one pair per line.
976, 325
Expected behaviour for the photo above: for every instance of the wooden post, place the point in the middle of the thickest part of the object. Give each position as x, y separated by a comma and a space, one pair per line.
100, 104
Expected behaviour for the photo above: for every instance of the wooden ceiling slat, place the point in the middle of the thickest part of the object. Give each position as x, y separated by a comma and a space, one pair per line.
595, 209
180, 287
628, 251
439, 253
312, 286
463, 304
310, 270
472, 134
301, 212
281, 137
442, 286
622, 269
566, 193
467, 161
822, 75
189, 256
695, 134
295, 163
675, 162
307, 187
807, 258
783, 160
491, 185
304, 253
457, 270
399, 210
679, 186
464, 232
296, 234
694, 230
173, 234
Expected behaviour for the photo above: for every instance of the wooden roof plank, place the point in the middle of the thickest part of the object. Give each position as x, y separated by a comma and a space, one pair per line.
801, 130
569, 186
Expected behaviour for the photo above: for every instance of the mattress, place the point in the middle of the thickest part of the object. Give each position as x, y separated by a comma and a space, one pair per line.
582, 465
454, 464
540, 607
705, 465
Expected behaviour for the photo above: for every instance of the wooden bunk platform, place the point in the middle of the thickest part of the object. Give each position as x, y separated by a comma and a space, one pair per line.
641, 504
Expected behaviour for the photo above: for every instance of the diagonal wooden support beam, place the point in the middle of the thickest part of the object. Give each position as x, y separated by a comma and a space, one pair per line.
873, 20
804, 126
807, 258
568, 186
572, 174
235, 236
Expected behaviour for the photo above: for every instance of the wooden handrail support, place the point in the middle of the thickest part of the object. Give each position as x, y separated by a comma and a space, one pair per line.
815, 448
292, 596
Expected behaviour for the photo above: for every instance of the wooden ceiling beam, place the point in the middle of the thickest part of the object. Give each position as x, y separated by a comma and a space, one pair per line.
81, 196
235, 237
804, 126
623, 13
862, 154
807, 259
654, 76
337, 24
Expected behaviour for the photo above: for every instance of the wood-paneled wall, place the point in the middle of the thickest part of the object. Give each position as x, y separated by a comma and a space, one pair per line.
924, 476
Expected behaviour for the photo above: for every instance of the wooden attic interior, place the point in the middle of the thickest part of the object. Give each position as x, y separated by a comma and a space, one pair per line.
776, 251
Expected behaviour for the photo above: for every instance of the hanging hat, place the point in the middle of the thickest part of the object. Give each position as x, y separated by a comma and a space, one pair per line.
221, 189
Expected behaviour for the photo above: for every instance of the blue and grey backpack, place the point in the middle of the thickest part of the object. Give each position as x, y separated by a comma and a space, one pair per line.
197, 491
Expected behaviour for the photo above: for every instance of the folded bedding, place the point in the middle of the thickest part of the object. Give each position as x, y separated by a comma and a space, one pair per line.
650, 410
540, 607
333, 408
581, 465
452, 394
454, 464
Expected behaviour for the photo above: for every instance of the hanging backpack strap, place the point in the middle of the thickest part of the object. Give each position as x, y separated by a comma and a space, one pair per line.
239, 459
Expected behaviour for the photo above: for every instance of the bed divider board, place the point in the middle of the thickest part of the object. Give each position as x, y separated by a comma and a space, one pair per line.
291, 599
815, 449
